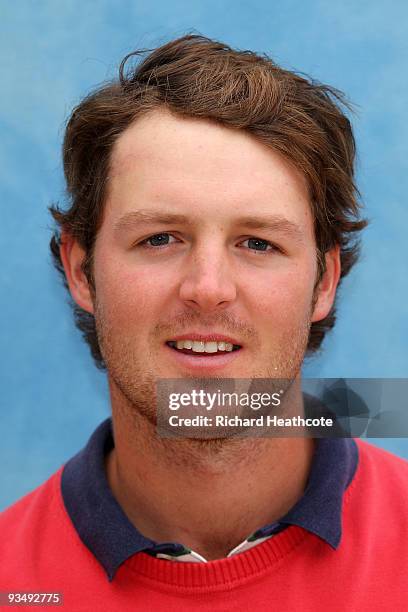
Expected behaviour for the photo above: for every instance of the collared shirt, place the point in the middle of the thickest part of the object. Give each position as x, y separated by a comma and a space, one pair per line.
105, 529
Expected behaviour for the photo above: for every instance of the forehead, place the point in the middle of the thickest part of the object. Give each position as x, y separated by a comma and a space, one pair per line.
166, 160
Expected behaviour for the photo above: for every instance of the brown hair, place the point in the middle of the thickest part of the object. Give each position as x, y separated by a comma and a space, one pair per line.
195, 76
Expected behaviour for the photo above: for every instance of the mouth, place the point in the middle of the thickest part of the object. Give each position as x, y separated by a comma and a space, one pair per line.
203, 348
205, 353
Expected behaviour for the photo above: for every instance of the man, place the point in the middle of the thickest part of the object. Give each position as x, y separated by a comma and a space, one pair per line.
213, 214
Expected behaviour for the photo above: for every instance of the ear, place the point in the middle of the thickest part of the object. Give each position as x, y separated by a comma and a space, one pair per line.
72, 256
326, 289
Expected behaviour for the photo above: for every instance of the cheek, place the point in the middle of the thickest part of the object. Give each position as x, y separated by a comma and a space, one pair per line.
128, 298
282, 300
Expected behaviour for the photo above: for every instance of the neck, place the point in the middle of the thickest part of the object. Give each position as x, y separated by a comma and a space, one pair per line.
207, 495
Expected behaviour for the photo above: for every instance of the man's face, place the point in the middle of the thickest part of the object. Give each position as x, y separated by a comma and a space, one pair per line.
206, 234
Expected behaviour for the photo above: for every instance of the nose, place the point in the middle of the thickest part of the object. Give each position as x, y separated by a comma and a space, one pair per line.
208, 285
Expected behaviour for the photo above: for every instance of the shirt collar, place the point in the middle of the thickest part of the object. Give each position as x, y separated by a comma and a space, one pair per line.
105, 529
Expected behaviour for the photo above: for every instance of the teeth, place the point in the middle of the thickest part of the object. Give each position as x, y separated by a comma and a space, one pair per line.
204, 347
198, 347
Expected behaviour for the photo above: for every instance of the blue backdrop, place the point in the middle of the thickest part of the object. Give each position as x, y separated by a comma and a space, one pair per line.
51, 54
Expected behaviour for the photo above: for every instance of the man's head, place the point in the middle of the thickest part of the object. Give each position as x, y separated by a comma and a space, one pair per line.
257, 164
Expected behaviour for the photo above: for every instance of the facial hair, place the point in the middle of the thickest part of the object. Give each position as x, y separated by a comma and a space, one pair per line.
134, 385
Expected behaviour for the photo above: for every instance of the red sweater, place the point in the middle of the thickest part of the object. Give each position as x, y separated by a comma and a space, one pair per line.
40, 551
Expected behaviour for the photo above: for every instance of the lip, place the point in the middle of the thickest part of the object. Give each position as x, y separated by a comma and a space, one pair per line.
205, 338
202, 362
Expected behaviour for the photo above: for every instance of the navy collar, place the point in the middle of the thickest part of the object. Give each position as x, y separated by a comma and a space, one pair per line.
107, 532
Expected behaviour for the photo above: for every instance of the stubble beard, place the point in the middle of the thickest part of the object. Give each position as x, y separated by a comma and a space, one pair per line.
133, 387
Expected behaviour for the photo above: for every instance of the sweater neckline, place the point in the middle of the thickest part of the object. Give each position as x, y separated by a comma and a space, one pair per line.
220, 572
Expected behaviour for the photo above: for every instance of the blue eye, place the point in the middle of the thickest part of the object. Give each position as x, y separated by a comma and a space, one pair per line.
157, 240
259, 245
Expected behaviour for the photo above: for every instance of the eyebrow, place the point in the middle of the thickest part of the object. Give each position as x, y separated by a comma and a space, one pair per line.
136, 218
276, 223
